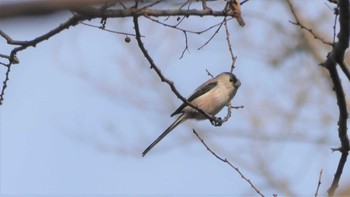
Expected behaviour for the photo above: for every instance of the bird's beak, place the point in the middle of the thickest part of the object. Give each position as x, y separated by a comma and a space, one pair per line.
238, 83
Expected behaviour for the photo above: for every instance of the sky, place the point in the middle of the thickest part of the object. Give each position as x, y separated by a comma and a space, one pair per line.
81, 107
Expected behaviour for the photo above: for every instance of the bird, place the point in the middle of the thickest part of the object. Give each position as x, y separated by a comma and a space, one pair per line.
210, 97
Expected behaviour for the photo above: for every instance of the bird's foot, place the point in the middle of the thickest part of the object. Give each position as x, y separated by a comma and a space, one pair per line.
216, 122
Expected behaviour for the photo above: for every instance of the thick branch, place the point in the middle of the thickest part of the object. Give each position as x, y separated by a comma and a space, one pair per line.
343, 36
44, 7
337, 56
117, 13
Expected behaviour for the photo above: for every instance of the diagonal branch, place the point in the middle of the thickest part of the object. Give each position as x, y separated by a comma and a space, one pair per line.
306, 40
25, 44
228, 163
318, 183
299, 22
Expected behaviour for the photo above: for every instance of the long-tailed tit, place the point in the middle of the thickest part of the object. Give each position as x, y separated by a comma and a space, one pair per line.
211, 97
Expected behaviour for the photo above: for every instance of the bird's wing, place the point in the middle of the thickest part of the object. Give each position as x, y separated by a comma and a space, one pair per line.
204, 88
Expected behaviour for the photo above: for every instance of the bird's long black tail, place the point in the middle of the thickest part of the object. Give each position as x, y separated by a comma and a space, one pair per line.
179, 120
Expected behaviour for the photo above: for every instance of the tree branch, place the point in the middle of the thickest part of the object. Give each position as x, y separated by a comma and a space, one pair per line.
228, 163
40, 7
25, 44
299, 22
318, 184
334, 57
118, 13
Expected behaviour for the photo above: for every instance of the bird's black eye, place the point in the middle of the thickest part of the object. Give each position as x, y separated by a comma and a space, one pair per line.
231, 79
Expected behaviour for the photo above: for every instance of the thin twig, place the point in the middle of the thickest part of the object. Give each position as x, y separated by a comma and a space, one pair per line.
228, 163
229, 112
180, 20
233, 58
4, 83
209, 73
151, 4
238, 107
336, 13
181, 29
318, 183
297, 23
243, 2
186, 46
107, 30
9, 40
12, 60
183, 5
217, 30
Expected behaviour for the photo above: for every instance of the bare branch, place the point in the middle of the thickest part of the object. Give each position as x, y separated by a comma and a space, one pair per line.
234, 58
209, 74
4, 84
216, 32
70, 22
108, 30
14, 61
151, 4
318, 183
186, 46
37, 7
311, 32
238, 107
302, 26
181, 29
25, 44
228, 163
118, 13
243, 2
334, 57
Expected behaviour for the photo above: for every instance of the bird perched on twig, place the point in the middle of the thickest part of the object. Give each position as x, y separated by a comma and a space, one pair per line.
210, 97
